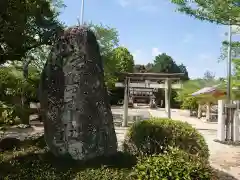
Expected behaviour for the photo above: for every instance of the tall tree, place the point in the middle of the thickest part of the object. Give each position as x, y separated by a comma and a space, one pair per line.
124, 59
235, 52
209, 76
108, 39
36, 58
149, 67
183, 70
165, 64
26, 25
138, 68
217, 11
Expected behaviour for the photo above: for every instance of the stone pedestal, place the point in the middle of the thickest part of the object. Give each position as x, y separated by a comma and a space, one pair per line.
236, 126
221, 121
78, 121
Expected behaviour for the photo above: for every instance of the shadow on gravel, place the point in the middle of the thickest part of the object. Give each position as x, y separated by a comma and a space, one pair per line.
220, 175
206, 129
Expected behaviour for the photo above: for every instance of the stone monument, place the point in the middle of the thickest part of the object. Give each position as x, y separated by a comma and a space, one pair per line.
78, 121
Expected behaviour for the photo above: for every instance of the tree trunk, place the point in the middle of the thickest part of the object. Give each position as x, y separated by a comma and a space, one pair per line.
25, 107
25, 104
78, 121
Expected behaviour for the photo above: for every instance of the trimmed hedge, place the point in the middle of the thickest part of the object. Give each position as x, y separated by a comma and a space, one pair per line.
176, 164
156, 135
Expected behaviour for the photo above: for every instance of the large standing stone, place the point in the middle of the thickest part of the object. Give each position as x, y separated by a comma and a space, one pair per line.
77, 115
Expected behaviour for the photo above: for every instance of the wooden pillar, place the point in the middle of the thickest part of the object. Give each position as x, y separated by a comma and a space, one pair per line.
167, 97
150, 101
125, 104
199, 113
208, 111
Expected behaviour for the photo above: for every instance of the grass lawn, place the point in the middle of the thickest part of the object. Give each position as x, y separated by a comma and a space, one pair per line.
33, 161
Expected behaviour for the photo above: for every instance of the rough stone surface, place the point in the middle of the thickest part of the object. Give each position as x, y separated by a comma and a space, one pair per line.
77, 116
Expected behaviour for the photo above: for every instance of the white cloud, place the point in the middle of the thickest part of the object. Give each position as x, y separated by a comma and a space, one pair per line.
141, 5
124, 3
206, 58
141, 57
155, 52
188, 38
136, 54
144, 57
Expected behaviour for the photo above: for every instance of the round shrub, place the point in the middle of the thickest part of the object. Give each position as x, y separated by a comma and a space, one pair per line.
176, 164
156, 135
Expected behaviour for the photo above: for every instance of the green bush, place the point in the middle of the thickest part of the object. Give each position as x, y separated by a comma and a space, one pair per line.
13, 114
176, 164
7, 115
154, 136
32, 160
13, 84
12, 87
190, 103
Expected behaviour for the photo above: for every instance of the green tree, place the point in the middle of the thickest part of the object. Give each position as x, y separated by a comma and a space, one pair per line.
235, 54
209, 76
149, 67
138, 68
235, 50
38, 56
108, 39
124, 59
26, 25
183, 70
115, 58
122, 62
184, 95
165, 64
217, 11
191, 86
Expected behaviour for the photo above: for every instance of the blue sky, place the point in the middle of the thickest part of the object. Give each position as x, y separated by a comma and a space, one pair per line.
150, 27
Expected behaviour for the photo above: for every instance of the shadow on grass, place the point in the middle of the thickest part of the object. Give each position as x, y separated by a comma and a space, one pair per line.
38, 162
12, 143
